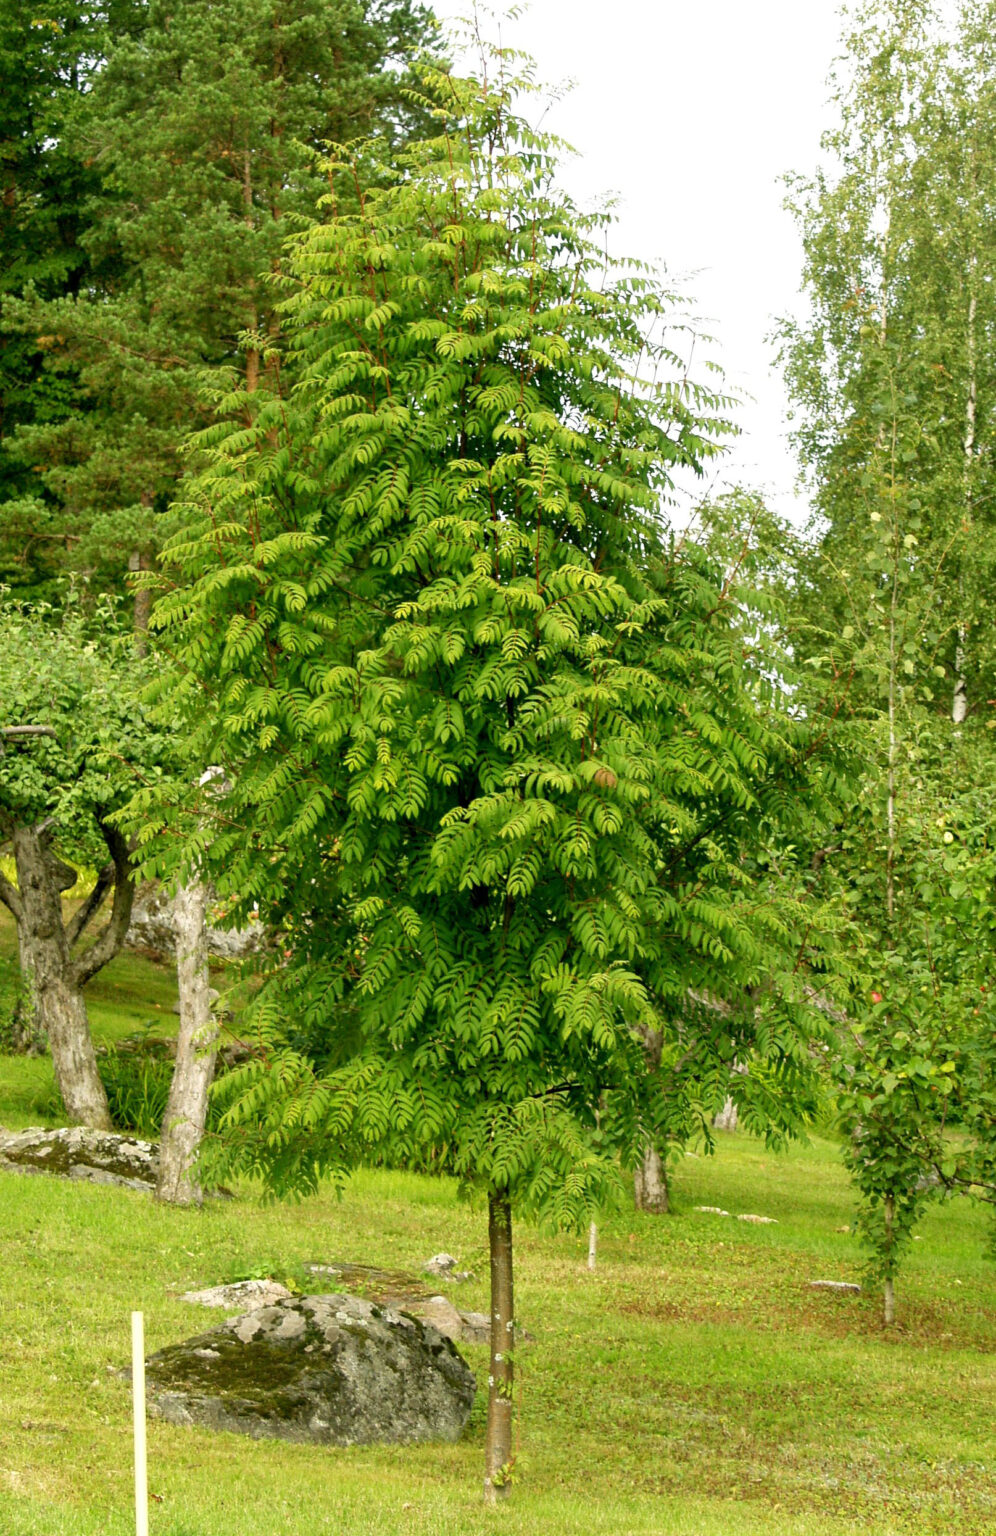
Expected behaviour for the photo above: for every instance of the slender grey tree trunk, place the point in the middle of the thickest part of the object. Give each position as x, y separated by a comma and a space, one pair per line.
650, 1183
498, 1437
959, 704
56, 991
196, 1052
592, 1245
142, 609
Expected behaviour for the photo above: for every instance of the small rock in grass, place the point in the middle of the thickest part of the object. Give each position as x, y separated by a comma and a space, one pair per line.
760, 1221
841, 1287
476, 1328
440, 1264
441, 1314
459, 1327
444, 1265
712, 1210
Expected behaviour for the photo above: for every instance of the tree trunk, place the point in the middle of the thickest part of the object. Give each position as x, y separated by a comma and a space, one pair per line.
592, 1245
196, 1050
27, 1034
959, 704
650, 1183
727, 1118
58, 997
498, 1443
142, 609
889, 1290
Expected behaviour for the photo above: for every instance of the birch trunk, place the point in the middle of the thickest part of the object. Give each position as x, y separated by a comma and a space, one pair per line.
592, 1245
959, 704
196, 1052
498, 1439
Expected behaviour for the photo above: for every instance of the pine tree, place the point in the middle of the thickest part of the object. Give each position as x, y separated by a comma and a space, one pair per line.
46, 62
199, 128
495, 767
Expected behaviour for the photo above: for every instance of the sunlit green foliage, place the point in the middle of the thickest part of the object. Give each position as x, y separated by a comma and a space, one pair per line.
497, 766
891, 373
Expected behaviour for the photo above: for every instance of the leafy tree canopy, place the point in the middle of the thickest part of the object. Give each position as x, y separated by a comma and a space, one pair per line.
494, 760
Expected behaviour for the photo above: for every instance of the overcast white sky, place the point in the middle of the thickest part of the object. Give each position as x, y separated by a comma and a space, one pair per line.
691, 110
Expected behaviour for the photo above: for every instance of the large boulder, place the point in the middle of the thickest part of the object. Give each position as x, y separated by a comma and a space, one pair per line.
74, 1152
152, 929
331, 1370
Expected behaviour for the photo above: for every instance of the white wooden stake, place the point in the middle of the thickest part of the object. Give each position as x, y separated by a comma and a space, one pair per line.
138, 1407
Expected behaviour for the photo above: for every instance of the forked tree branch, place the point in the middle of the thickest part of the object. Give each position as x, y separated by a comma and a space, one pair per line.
88, 908
112, 936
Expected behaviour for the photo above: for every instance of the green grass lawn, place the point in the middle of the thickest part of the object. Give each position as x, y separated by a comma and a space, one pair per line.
693, 1386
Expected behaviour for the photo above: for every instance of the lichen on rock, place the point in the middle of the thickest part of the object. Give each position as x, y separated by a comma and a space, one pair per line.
75, 1152
332, 1369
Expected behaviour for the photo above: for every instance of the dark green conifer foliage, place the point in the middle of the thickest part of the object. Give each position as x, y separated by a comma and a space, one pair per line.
496, 764
199, 127
47, 55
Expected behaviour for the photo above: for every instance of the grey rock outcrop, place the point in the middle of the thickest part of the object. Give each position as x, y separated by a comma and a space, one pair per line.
240, 1296
152, 929
74, 1152
330, 1370
406, 1293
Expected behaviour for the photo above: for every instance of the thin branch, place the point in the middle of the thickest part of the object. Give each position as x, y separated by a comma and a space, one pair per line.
12, 732
11, 898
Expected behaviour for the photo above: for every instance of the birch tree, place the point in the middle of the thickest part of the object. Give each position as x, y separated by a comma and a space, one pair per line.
892, 377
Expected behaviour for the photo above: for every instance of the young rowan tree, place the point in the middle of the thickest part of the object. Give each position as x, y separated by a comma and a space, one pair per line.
493, 764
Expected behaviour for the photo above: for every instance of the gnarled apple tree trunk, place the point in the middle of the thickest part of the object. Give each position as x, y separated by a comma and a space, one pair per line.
56, 995
54, 968
196, 1052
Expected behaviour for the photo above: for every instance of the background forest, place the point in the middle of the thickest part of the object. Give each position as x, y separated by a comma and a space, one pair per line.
344, 598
